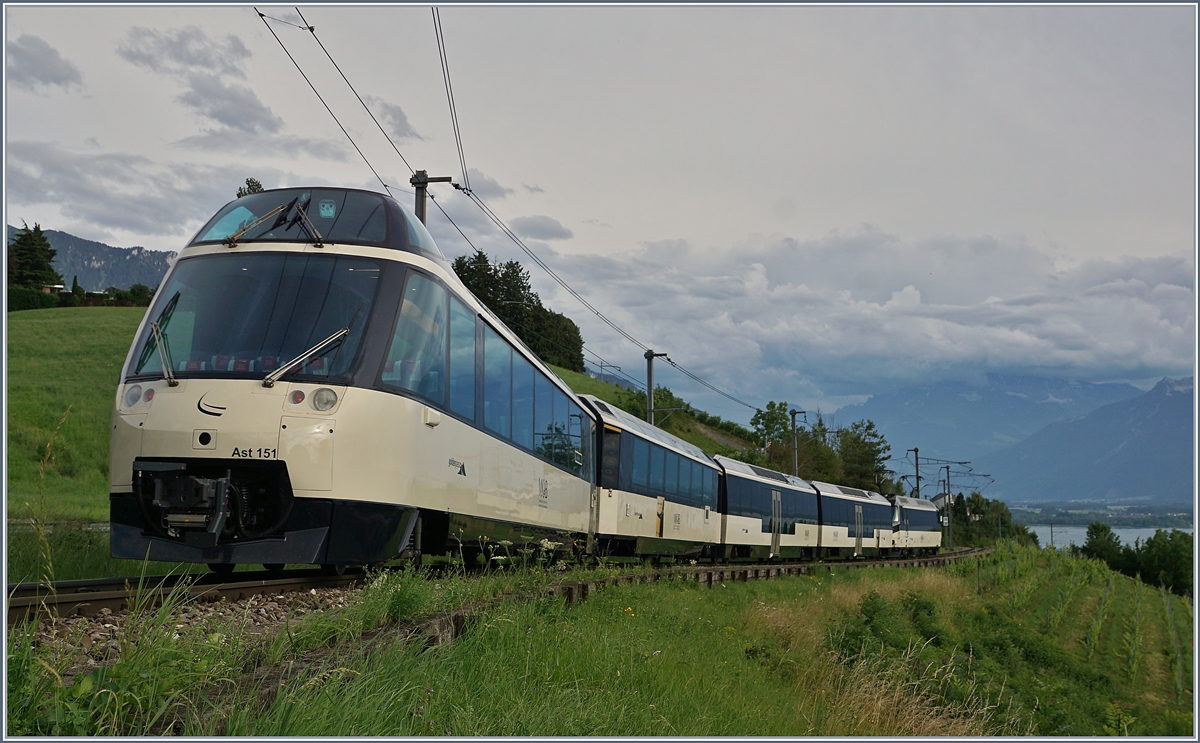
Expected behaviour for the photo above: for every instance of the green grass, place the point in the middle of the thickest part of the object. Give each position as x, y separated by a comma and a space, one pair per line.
662, 659
845, 653
58, 359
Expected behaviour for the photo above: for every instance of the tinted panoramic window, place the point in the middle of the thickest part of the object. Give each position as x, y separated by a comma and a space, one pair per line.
333, 215
247, 314
497, 383
416, 358
336, 215
462, 359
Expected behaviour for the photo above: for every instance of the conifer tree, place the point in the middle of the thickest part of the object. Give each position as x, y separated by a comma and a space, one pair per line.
30, 259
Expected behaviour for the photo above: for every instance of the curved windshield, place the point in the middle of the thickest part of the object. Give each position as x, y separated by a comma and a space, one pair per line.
246, 315
337, 215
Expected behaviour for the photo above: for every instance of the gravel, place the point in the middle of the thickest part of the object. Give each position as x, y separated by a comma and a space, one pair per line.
85, 642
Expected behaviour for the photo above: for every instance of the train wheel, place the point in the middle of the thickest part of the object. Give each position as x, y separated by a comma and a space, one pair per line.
221, 568
274, 567
333, 569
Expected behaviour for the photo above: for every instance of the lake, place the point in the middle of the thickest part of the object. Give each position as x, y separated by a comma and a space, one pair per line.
1064, 535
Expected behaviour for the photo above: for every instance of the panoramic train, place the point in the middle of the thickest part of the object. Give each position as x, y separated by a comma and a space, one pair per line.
313, 384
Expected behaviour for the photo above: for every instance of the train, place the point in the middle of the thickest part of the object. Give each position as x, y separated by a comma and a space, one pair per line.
313, 384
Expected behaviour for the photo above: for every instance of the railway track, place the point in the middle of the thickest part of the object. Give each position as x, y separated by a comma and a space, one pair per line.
89, 597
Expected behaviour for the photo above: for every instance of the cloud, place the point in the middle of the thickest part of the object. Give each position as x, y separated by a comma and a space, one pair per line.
820, 322
534, 188
540, 228
119, 191
486, 187
184, 51
202, 65
34, 64
393, 119
227, 140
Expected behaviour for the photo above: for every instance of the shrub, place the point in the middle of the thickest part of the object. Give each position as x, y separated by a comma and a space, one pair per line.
24, 298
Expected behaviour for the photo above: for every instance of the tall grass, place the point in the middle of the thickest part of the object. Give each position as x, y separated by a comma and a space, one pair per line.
1093, 636
1177, 655
1132, 637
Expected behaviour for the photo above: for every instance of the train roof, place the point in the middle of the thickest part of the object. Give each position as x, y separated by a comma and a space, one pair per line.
917, 503
762, 473
614, 416
339, 215
846, 491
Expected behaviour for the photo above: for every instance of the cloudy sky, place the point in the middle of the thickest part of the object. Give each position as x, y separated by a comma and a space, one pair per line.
810, 204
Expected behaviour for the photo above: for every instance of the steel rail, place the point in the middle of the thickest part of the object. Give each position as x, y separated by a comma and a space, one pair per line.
88, 597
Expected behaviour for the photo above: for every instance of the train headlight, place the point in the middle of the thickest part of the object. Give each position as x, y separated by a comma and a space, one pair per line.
133, 395
324, 399
297, 397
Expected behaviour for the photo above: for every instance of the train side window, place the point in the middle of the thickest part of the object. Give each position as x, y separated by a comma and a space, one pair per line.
658, 457
462, 359
416, 359
641, 463
522, 401
561, 446
685, 480
671, 485
579, 428
543, 414
497, 383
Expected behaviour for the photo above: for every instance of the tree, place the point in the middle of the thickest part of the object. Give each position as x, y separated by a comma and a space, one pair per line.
252, 186
864, 453
30, 259
772, 424
76, 289
1102, 543
505, 289
818, 460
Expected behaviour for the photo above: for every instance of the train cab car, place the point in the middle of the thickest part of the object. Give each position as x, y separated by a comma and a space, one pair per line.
313, 384
917, 525
766, 514
658, 493
853, 522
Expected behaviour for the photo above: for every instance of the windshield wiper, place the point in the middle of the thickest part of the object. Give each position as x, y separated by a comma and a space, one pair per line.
309, 227
164, 355
231, 241
269, 380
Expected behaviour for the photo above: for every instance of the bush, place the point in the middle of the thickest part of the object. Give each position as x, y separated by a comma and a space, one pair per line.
24, 298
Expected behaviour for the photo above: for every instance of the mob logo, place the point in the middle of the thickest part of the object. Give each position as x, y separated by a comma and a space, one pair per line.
462, 467
209, 408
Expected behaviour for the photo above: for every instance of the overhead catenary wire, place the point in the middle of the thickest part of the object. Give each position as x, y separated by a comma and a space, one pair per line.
465, 188
312, 30
322, 100
462, 158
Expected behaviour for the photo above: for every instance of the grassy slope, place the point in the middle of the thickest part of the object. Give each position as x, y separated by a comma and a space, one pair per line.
863, 652
60, 358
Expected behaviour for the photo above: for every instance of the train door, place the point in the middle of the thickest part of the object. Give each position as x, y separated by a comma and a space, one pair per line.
658, 528
858, 529
776, 521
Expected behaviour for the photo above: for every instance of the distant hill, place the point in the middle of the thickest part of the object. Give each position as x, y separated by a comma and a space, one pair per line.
100, 266
960, 420
1139, 449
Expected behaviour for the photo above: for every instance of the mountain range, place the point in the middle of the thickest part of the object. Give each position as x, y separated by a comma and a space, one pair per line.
99, 266
1140, 449
966, 421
